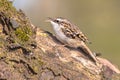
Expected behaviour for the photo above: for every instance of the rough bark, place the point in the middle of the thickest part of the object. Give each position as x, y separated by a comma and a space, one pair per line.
29, 53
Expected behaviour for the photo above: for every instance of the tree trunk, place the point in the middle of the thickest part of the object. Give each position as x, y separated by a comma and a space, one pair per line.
29, 53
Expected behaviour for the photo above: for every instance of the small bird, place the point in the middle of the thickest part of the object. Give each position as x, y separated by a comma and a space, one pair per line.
70, 35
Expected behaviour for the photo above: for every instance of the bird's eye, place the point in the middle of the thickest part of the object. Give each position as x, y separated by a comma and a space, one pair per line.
57, 21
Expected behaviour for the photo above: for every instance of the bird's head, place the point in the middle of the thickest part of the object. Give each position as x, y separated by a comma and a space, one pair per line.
57, 21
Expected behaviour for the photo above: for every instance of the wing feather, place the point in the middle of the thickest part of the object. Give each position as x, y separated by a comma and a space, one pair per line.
73, 32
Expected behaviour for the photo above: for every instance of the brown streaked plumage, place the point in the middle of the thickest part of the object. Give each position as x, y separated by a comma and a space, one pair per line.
70, 35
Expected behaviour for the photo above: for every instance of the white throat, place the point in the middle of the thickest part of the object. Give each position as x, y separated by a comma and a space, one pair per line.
55, 26
59, 34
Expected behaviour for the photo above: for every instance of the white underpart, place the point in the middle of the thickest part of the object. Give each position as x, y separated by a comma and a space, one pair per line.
59, 34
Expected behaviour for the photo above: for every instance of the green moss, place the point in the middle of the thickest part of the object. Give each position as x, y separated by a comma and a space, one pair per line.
6, 6
23, 34
27, 30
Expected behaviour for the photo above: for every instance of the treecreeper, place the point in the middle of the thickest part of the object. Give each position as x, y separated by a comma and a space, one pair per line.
70, 35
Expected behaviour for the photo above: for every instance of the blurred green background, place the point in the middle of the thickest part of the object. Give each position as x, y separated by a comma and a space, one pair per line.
98, 19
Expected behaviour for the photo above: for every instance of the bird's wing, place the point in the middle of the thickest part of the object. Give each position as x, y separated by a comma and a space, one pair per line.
73, 32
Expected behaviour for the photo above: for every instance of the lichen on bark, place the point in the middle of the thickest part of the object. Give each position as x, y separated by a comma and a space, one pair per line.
16, 26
